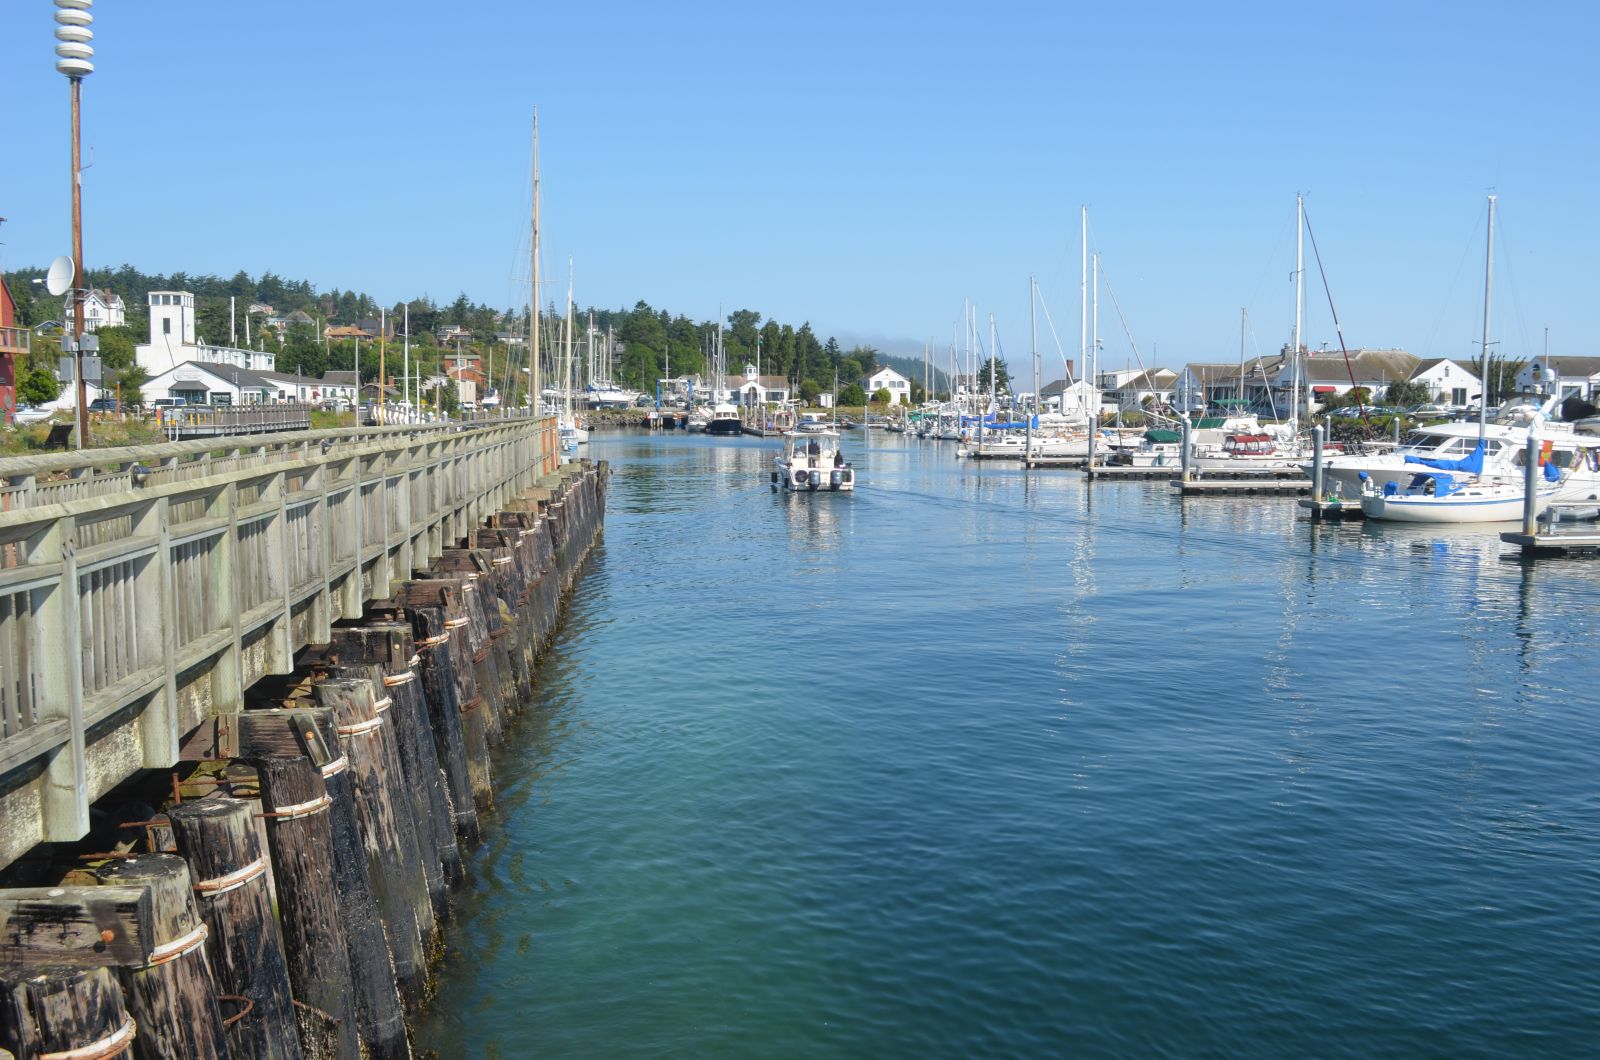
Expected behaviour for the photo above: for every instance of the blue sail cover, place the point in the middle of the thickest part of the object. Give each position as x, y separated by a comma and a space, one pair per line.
1552, 473
1010, 425
1472, 463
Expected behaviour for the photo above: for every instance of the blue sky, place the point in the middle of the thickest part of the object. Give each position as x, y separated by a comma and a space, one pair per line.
861, 166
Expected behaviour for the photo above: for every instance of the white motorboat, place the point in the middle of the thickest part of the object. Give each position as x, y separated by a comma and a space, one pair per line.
1450, 497
812, 462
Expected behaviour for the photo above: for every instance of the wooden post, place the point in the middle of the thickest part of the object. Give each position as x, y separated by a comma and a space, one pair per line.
372, 967
63, 1012
389, 845
218, 838
173, 996
444, 715
420, 873
450, 643
389, 645
300, 839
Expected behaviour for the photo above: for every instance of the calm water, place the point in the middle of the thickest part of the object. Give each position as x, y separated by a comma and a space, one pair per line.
975, 765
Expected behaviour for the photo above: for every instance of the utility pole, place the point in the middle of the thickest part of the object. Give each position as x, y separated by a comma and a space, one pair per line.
73, 54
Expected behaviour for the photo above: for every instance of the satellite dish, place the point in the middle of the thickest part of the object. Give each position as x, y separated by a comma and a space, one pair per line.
58, 280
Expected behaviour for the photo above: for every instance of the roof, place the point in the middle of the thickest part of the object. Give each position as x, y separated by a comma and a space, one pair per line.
1228, 373
1570, 366
771, 382
225, 373
346, 331
1367, 366
339, 378
1152, 379
885, 368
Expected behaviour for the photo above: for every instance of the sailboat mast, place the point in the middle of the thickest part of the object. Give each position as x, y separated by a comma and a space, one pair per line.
1083, 298
1488, 286
1094, 336
533, 290
1299, 301
1033, 341
1244, 317
566, 335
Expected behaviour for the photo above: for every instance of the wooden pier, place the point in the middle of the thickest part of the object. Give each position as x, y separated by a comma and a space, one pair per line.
249, 697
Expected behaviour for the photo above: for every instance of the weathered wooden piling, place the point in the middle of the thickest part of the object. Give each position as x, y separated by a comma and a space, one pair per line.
217, 837
386, 831
63, 1012
413, 831
389, 645
173, 995
379, 1011
295, 802
422, 599
445, 715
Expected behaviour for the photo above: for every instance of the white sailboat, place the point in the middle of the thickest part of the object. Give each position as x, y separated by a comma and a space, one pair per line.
1468, 490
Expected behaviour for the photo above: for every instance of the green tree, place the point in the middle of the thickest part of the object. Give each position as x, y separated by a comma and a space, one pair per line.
1502, 377
37, 386
881, 395
853, 395
1002, 377
1403, 394
810, 390
116, 347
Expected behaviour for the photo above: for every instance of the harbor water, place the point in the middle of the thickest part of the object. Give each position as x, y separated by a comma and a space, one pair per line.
977, 763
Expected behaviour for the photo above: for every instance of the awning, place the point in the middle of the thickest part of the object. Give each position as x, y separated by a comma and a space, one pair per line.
1324, 390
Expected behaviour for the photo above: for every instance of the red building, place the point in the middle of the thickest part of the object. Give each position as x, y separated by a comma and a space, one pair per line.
13, 342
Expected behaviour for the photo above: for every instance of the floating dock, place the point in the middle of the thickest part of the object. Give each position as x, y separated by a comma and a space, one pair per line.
1212, 482
1333, 508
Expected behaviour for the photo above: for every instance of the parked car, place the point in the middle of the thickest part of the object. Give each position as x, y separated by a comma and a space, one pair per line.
105, 404
1428, 410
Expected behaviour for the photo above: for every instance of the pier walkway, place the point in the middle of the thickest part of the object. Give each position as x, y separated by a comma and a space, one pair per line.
144, 589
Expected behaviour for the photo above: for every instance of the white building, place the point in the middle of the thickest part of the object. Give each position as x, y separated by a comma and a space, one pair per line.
172, 340
102, 309
1448, 382
210, 383
886, 378
1567, 376
760, 389
333, 386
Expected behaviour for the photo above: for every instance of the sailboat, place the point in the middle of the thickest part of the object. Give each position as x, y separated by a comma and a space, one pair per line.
1459, 491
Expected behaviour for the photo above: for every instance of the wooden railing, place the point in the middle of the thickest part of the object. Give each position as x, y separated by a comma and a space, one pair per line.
143, 589
15, 340
203, 421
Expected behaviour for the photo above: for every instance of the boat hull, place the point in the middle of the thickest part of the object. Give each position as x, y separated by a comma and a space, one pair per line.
1403, 508
725, 427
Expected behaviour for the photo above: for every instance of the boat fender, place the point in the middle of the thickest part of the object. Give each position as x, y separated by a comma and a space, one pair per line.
799, 478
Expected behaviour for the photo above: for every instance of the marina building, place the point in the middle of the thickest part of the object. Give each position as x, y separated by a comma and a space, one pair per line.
173, 341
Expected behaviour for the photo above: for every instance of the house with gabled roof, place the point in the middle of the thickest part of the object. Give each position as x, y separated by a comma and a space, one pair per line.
1564, 376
